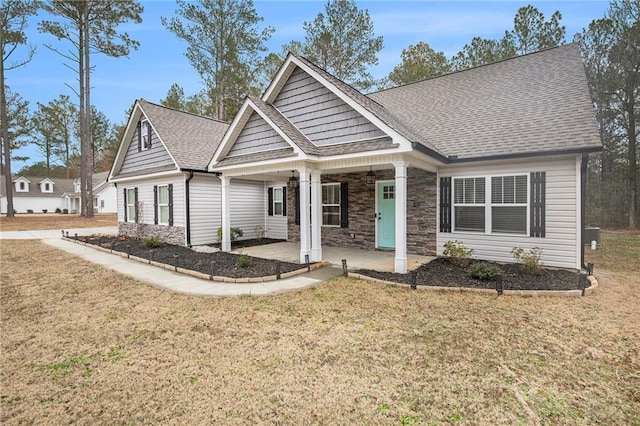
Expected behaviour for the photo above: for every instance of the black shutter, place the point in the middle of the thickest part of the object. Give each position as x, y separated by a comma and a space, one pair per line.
125, 203
270, 201
148, 135
538, 195
170, 204
344, 205
155, 204
297, 204
135, 200
284, 201
445, 204
139, 136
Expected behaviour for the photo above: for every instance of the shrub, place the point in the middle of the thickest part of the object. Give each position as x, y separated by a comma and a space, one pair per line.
485, 271
243, 261
29, 211
152, 241
235, 234
65, 211
457, 252
44, 210
529, 261
58, 210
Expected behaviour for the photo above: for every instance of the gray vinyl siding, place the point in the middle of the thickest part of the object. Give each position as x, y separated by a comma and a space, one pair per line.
560, 245
156, 156
321, 115
205, 209
146, 202
247, 206
275, 226
257, 136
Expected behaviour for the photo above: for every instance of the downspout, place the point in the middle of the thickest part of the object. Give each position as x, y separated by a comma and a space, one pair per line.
187, 209
583, 197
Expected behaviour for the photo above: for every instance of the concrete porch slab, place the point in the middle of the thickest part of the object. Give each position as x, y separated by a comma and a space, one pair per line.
356, 259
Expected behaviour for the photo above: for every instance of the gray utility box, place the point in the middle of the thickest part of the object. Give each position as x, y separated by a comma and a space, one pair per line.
592, 234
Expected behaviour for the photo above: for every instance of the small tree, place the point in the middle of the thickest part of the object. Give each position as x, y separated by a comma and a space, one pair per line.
419, 62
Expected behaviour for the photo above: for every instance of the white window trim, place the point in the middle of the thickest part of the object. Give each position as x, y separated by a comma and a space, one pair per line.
131, 204
488, 217
281, 202
26, 186
144, 132
323, 205
160, 222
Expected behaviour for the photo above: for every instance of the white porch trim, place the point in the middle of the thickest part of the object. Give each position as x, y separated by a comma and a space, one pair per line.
401, 216
316, 216
225, 182
305, 231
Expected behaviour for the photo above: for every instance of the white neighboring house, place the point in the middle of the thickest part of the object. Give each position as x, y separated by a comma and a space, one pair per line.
104, 195
38, 193
35, 193
164, 188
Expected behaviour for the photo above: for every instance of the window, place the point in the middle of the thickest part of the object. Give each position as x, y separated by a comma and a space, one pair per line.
22, 186
509, 204
145, 132
331, 204
278, 201
389, 192
47, 187
102, 204
469, 204
163, 204
130, 204
95, 202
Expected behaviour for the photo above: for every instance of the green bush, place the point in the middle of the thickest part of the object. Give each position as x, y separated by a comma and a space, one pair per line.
243, 261
29, 211
235, 234
457, 252
58, 210
529, 261
44, 210
485, 271
65, 211
152, 241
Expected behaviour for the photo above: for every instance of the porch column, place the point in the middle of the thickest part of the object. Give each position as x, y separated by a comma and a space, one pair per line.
401, 217
316, 216
305, 246
225, 182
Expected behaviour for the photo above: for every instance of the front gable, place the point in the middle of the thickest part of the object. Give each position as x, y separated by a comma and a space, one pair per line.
257, 136
141, 150
46, 185
22, 184
320, 114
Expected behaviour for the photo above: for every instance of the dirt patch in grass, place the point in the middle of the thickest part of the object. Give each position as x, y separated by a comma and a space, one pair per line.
28, 222
224, 264
81, 344
445, 273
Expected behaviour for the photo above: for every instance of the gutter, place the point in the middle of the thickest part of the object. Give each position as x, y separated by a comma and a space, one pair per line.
187, 209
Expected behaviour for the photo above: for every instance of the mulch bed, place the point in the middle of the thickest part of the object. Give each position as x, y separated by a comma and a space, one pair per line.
226, 264
442, 272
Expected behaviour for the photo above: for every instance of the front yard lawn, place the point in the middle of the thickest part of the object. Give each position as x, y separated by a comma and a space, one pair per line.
81, 344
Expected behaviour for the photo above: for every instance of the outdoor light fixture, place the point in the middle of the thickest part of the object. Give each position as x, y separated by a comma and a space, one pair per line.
293, 181
370, 179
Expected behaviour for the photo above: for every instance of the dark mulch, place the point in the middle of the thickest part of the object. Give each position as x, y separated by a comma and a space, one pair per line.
443, 272
225, 263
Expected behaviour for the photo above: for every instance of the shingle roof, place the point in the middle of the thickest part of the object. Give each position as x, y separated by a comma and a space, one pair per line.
530, 104
60, 186
191, 139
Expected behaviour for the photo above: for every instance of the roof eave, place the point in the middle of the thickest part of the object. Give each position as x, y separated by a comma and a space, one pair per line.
569, 151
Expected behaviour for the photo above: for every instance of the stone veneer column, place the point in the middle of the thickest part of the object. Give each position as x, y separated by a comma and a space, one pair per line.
226, 213
316, 216
401, 217
305, 244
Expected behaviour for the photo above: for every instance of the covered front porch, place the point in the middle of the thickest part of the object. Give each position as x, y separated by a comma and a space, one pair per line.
381, 206
378, 260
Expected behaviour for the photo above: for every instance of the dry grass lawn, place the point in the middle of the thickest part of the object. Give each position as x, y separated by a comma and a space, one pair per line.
26, 222
81, 344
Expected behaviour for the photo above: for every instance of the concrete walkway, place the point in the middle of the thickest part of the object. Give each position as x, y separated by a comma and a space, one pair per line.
163, 278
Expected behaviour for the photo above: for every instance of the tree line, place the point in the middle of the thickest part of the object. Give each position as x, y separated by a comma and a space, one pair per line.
225, 44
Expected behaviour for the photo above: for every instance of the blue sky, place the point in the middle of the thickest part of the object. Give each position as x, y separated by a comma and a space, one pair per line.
159, 62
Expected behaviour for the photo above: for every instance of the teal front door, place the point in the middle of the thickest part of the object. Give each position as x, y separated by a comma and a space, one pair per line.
386, 214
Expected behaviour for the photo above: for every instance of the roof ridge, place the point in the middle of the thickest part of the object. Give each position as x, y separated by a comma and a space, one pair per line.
184, 112
474, 68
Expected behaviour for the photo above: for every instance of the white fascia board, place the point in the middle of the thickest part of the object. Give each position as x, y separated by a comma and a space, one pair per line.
283, 74
276, 164
148, 176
